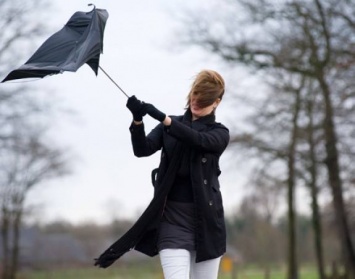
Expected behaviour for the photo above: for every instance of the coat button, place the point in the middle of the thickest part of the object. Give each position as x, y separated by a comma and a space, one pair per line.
204, 160
205, 181
210, 203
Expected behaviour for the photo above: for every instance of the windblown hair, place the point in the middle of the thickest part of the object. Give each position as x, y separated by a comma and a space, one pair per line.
207, 87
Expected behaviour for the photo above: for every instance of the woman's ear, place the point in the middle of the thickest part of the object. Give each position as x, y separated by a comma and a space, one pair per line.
216, 103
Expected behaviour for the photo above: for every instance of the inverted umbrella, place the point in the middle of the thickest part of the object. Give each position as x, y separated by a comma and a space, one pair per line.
80, 41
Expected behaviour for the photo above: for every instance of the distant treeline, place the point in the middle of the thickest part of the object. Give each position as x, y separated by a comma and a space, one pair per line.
257, 238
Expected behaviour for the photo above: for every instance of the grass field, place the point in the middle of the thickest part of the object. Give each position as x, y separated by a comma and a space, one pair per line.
149, 270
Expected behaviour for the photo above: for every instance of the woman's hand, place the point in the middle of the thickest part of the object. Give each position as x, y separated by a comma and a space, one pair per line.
135, 106
153, 112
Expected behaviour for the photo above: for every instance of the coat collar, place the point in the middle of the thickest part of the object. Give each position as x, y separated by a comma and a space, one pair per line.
207, 119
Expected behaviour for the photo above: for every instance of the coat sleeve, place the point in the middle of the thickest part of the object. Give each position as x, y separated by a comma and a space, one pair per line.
215, 139
146, 145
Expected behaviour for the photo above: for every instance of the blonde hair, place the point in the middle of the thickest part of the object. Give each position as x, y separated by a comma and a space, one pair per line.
207, 87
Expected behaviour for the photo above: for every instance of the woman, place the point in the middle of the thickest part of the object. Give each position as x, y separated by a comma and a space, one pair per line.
184, 222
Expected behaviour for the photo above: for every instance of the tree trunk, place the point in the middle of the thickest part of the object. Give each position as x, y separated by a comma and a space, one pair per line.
332, 164
16, 240
292, 241
316, 219
317, 231
5, 241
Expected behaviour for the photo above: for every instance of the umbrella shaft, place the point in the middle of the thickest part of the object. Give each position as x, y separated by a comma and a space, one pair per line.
113, 81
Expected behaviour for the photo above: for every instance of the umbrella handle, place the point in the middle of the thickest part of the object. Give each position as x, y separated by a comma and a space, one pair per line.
92, 5
113, 81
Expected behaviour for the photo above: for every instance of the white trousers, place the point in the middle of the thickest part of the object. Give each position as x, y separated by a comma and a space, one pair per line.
180, 264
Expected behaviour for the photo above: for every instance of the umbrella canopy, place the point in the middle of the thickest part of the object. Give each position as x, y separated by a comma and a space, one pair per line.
80, 41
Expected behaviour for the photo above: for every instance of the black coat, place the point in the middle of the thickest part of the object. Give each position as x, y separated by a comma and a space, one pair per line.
207, 140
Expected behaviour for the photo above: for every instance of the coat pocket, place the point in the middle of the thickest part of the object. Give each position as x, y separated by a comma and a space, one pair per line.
217, 197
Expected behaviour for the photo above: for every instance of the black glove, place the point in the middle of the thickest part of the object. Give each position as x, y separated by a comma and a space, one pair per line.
153, 112
135, 106
106, 259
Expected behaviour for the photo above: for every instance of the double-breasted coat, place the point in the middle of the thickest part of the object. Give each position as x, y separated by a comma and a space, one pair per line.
207, 141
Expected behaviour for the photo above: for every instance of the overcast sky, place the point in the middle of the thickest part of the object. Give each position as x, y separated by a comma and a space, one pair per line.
107, 180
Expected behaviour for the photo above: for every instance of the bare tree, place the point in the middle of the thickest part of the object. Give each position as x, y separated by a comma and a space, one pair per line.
291, 183
313, 39
312, 168
27, 158
22, 23
25, 163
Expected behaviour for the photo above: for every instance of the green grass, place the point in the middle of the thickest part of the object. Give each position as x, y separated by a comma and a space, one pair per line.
151, 270
139, 270
93, 274
274, 274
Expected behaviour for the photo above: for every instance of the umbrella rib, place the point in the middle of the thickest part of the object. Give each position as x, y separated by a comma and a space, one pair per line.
113, 81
